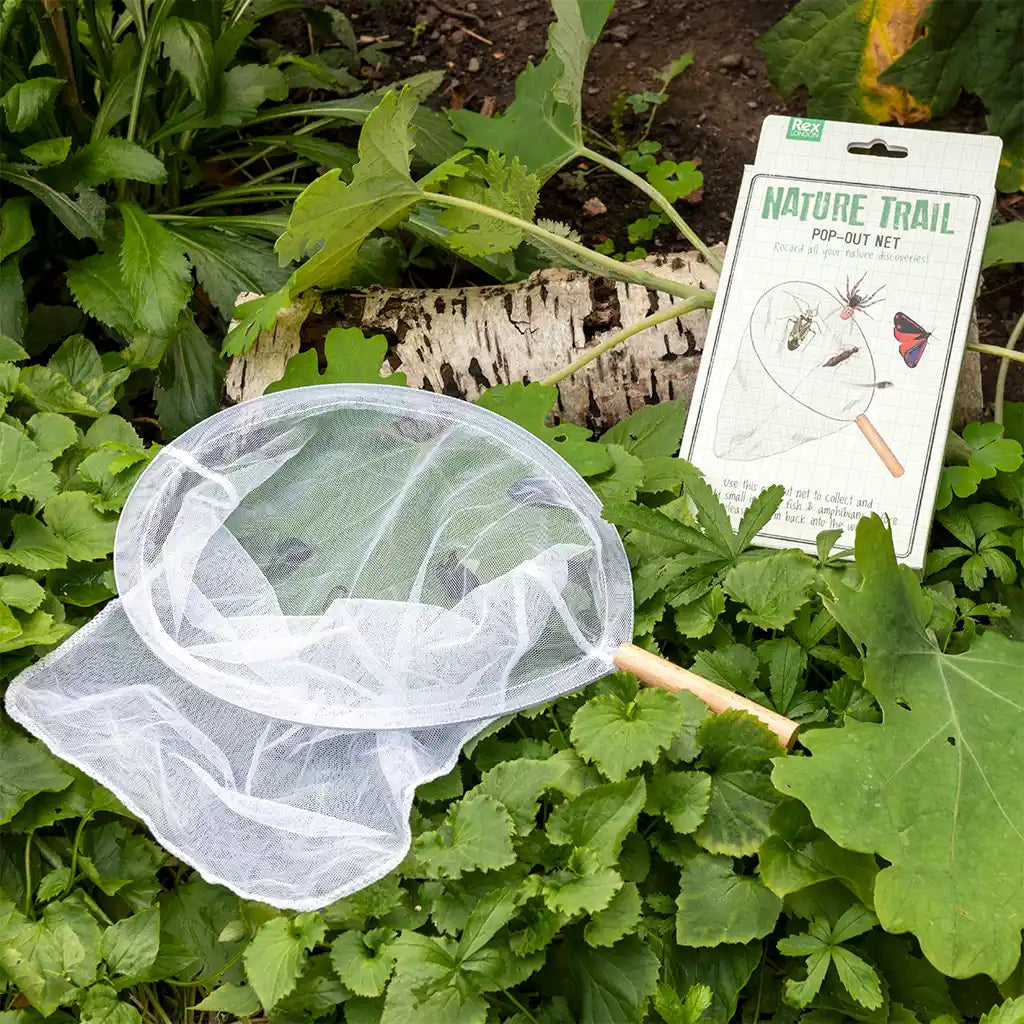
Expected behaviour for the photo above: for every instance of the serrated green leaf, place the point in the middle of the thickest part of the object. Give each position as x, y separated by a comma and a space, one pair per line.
619, 735
73, 381
737, 753
121, 862
48, 152
858, 978
756, 517
800, 992
26, 768
189, 48
129, 946
363, 967
773, 588
228, 263
698, 618
331, 219
155, 271
618, 919
238, 1000
192, 917
586, 887
528, 405
352, 358
52, 884
83, 533
84, 216
16, 229
33, 546
101, 1005
189, 381
242, 90
1010, 1012
24, 471
598, 819
21, 592
681, 798
98, 288
716, 905
277, 954
949, 723
23, 102
111, 159
52, 433
476, 835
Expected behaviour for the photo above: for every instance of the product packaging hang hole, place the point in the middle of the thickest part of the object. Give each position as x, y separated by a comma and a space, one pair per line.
835, 344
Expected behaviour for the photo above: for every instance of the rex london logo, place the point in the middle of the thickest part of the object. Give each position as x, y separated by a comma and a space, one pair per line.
807, 128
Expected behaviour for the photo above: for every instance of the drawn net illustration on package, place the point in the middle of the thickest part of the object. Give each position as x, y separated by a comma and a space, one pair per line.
324, 593
836, 340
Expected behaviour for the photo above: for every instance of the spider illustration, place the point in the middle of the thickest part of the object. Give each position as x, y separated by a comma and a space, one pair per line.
853, 301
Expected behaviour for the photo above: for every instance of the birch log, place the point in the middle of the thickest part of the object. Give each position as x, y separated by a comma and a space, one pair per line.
461, 341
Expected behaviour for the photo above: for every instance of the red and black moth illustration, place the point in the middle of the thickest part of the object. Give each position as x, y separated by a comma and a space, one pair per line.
853, 301
912, 338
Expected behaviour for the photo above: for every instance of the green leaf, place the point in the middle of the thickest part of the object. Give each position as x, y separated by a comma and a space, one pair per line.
724, 969
599, 819
619, 735
238, 1000
228, 263
351, 356
33, 546
84, 216
1010, 1012
476, 835
154, 269
615, 921
605, 985
189, 49
756, 517
193, 916
48, 152
23, 102
50, 959
10, 350
24, 471
948, 738
363, 962
488, 917
698, 618
130, 945
262, 314
74, 381
653, 431
858, 978
528, 405
971, 47
773, 587
51, 433
82, 532
991, 453
26, 768
102, 1006
800, 992
542, 126
1004, 243
331, 219
277, 954
189, 380
681, 798
716, 905
243, 89
112, 159
585, 887
16, 229
98, 288
737, 753
21, 592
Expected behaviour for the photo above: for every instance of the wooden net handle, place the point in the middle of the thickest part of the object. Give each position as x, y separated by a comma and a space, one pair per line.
657, 672
875, 439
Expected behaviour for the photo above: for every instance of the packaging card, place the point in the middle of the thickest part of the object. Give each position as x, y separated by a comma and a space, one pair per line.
835, 344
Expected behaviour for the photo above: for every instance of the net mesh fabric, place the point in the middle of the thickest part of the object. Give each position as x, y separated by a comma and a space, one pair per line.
324, 594
782, 392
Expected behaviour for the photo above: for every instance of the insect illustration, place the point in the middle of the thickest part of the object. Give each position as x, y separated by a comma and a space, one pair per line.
852, 299
912, 338
800, 328
879, 384
841, 357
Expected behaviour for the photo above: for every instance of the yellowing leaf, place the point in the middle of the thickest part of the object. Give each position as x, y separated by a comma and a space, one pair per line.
838, 49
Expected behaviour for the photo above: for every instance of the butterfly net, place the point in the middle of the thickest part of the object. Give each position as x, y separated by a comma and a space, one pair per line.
323, 594
802, 372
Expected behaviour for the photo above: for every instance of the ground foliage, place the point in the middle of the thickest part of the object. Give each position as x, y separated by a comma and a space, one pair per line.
620, 854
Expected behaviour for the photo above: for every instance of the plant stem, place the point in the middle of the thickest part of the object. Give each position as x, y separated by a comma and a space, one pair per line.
615, 269
656, 197
51, 857
1004, 369
703, 300
28, 875
998, 351
148, 35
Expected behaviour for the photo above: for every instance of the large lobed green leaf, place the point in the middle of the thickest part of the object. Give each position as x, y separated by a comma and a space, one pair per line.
935, 789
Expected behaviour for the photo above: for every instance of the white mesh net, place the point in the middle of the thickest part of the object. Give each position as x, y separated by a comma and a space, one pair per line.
324, 594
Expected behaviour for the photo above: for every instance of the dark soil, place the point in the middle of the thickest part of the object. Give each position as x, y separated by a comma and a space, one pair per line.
713, 115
